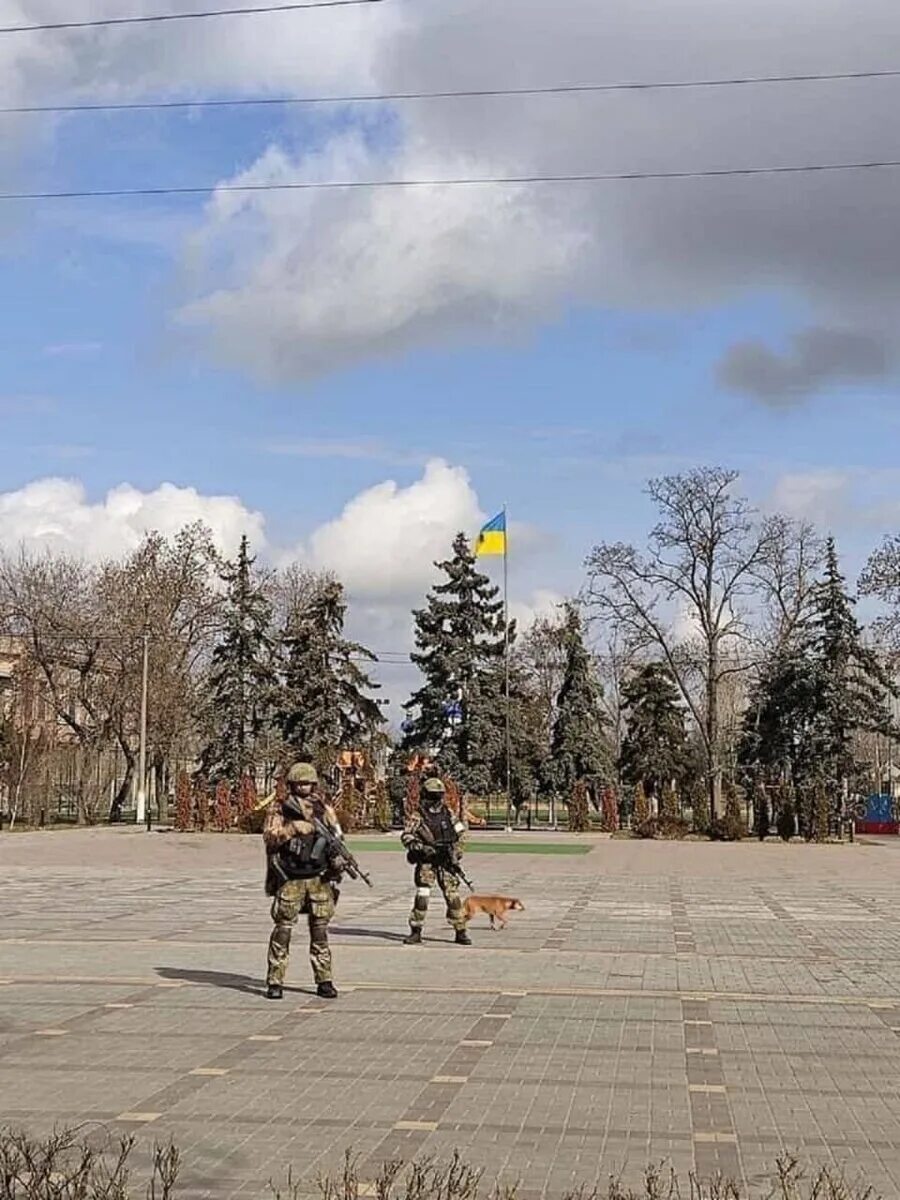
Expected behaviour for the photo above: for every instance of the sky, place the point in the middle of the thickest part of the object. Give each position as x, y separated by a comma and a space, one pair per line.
351, 376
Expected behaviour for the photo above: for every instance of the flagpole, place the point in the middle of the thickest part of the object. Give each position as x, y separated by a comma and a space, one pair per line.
506, 665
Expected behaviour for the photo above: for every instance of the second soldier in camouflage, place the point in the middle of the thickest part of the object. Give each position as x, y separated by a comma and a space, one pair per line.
431, 837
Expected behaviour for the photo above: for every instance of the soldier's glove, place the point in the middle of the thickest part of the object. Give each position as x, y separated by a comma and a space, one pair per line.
337, 862
423, 851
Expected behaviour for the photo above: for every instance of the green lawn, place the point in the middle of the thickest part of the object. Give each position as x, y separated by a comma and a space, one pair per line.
368, 846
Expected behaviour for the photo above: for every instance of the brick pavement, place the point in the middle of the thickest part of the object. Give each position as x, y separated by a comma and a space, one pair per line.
708, 1005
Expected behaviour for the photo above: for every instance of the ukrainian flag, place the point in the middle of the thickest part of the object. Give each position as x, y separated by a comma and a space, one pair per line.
492, 539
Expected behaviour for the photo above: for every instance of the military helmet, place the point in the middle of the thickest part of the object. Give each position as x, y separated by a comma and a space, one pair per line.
433, 787
302, 772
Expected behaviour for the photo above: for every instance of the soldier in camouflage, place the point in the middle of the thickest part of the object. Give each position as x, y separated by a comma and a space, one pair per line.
300, 878
431, 837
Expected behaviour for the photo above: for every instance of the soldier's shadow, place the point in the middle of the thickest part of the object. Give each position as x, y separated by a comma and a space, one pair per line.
224, 979
381, 934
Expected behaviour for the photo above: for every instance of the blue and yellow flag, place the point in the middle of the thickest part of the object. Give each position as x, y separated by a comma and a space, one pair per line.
492, 539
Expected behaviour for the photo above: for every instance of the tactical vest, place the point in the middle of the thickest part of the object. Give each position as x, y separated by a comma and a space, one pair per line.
306, 861
440, 826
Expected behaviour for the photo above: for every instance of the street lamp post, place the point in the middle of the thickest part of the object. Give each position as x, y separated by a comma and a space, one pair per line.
143, 809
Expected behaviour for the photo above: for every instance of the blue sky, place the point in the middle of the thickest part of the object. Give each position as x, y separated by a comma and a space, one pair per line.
559, 347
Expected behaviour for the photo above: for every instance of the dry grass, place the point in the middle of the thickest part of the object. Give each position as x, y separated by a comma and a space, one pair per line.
69, 1165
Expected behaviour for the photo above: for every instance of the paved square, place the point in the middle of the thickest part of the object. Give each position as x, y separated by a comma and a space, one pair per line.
709, 1005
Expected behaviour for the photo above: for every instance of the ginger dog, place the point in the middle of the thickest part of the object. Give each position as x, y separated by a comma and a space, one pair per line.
495, 906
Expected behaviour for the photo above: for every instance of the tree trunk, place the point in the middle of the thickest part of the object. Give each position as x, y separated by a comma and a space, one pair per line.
115, 809
714, 769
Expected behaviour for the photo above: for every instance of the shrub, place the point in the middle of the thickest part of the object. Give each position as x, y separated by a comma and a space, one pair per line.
411, 804
381, 806
223, 805
730, 827
786, 823
579, 809
673, 827
669, 808
609, 810
247, 797
641, 812
183, 803
646, 829
700, 812
348, 806
453, 797
201, 803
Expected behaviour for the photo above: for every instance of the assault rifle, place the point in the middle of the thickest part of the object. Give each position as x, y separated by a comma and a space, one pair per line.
445, 857
335, 847
455, 868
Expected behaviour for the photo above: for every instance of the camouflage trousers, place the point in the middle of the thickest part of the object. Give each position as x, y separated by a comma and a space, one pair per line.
425, 879
315, 898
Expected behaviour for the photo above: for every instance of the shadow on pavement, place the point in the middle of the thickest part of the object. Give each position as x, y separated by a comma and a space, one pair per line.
382, 934
228, 980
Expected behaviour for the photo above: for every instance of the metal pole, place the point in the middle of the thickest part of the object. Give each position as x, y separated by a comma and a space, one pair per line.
506, 665
143, 811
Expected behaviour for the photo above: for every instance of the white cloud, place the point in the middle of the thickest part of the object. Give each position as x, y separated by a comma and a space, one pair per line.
313, 282
385, 542
269, 52
342, 277
317, 280
363, 449
542, 603
818, 495
57, 514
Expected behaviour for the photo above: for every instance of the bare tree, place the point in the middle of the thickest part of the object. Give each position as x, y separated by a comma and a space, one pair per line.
165, 587
616, 658
540, 654
788, 575
686, 595
881, 580
82, 629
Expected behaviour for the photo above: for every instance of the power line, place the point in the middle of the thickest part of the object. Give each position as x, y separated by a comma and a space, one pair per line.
158, 18
575, 89
474, 181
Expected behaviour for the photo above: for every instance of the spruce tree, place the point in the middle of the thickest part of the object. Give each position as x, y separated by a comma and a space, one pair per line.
324, 705
241, 681
579, 746
458, 714
819, 690
853, 686
654, 749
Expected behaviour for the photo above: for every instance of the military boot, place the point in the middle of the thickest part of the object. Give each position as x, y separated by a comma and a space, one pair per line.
413, 938
462, 938
274, 992
327, 990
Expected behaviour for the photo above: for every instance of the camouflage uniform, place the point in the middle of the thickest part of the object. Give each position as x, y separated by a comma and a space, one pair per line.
314, 896
445, 831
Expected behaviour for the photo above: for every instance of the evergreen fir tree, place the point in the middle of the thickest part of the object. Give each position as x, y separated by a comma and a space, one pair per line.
822, 688
654, 749
459, 638
323, 703
579, 745
242, 677
853, 686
